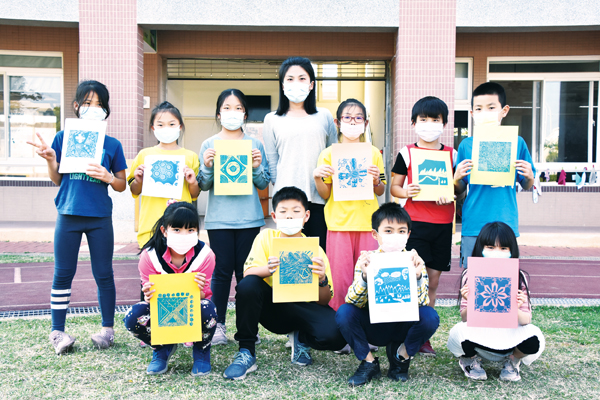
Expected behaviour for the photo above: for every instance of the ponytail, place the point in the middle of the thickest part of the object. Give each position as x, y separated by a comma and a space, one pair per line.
177, 215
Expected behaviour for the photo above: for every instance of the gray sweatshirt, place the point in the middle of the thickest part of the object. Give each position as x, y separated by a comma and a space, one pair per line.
293, 145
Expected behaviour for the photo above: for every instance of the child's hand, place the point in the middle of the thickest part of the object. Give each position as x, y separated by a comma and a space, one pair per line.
209, 157
148, 291
200, 279
319, 268
273, 264
418, 263
524, 168
521, 298
139, 173
190, 176
363, 262
463, 169
413, 189
324, 171
256, 158
464, 292
373, 170
99, 172
42, 149
442, 201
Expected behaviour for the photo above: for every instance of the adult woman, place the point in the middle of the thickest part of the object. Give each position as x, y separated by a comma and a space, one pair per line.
295, 135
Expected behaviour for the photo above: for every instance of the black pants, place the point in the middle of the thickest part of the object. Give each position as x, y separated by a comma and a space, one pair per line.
254, 305
316, 226
529, 346
231, 248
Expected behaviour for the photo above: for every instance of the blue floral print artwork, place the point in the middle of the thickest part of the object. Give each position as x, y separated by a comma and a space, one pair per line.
432, 172
175, 309
494, 156
82, 144
352, 172
392, 285
165, 172
233, 168
294, 267
492, 294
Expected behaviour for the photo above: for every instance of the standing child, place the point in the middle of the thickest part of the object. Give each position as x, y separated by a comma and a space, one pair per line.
84, 206
432, 220
391, 228
167, 124
524, 343
486, 203
348, 222
174, 248
232, 222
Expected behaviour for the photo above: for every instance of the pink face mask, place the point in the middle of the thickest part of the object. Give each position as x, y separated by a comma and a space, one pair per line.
352, 131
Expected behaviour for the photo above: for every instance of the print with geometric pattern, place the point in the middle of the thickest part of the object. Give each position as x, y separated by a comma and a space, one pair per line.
392, 286
432, 172
494, 156
294, 267
232, 169
492, 294
82, 144
353, 172
175, 309
165, 172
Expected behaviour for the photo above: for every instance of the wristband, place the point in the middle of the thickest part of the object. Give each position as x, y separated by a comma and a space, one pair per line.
113, 178
324, 283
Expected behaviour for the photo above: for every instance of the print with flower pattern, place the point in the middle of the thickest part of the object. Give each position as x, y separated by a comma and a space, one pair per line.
352, 172
492, 294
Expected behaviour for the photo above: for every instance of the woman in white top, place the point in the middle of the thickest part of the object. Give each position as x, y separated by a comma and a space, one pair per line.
295, 135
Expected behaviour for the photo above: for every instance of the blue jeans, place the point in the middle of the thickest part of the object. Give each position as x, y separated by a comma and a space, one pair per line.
357, 329
67, 239
137, 321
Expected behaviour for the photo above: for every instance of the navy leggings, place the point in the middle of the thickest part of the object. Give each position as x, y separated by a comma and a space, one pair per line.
67, 240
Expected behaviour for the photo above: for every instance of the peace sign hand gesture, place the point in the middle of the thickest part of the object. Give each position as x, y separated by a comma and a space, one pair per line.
43, 150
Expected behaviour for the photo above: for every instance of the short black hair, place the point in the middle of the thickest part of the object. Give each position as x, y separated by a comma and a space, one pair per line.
490, 88
290, 193
494, 233
430, 106
231, 92
310, 104
164, 107
391, 212
85, 89
349, 103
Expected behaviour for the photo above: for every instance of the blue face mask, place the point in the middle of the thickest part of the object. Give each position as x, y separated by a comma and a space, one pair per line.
495, 254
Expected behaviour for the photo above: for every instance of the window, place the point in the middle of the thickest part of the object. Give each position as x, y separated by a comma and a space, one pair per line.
329, 90
31, 101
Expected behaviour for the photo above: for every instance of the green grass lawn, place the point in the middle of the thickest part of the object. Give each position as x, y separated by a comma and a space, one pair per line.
569, 368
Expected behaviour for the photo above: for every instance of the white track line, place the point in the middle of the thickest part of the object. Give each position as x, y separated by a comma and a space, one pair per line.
17, 275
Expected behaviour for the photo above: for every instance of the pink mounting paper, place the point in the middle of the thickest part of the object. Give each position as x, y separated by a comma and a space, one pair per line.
493, 285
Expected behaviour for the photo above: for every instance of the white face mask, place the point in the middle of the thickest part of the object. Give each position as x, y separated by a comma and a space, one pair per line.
393, 242
167, 135
290, 226
429, 131
486, 118
352, 131
495, 254
92, 113
296, 92
181, 243
232, 120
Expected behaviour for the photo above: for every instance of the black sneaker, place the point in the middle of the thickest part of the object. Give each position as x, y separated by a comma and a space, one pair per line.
398, 365
365, 372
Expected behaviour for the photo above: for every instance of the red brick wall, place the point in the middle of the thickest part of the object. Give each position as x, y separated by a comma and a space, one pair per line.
65, 40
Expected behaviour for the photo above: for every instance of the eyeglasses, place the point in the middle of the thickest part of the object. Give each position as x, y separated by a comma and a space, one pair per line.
348, 119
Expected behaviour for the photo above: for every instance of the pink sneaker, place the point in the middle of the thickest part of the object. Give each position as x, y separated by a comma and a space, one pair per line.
188, 344
104, 339
427, 350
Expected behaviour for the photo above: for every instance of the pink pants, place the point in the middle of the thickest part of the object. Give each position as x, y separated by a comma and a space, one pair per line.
343, 250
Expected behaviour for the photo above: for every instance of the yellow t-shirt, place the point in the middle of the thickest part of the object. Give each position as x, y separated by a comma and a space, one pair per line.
153, 208
261, 250
355, 215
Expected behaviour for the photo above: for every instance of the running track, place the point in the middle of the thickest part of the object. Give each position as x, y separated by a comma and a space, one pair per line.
27, 286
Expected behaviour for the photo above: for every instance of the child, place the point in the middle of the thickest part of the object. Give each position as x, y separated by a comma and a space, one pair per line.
391, 228
174, 248
167, 124
486, 203
525, 343
432, 220
84, 206
232, 222
348, 222
312, 323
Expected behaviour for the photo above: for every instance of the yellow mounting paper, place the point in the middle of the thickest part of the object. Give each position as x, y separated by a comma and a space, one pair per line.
233, 167
175, 309
294, 280
351, 180
432, 170
494, 155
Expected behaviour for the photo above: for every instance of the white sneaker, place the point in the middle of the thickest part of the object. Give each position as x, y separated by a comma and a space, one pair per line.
220, 335
510, 371
288, 344
472, 368
345, 350
61, 341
